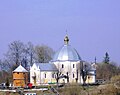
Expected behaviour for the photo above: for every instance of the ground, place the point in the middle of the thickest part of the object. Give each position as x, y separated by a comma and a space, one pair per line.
106, 89
75, 89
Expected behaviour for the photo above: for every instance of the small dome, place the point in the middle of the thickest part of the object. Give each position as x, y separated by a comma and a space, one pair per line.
66, 53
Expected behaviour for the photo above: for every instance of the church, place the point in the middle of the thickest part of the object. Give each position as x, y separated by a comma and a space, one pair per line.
65, 67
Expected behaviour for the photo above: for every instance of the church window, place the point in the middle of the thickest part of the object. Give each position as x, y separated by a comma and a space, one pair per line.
73, 75
45, 75
62, 66
73, 65
67, 73
52, 75
63, 80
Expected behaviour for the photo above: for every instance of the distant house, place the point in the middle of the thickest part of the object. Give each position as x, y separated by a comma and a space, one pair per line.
66, 65
20, 77
30, 93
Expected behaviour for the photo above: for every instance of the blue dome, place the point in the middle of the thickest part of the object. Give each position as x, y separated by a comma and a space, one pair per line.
66, 53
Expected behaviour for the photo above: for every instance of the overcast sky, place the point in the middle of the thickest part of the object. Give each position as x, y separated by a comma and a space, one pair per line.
93, 25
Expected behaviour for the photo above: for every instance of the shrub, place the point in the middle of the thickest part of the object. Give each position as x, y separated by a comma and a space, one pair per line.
115, 78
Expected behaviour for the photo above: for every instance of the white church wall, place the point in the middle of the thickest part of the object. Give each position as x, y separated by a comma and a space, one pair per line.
71, 68
48, 77
34, 72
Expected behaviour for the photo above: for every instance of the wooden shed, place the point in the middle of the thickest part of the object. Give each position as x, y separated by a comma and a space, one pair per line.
20, 77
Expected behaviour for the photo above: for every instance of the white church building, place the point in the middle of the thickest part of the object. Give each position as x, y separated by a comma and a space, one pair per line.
65, 67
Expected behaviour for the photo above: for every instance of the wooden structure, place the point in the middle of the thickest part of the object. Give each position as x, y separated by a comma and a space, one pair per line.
20, 77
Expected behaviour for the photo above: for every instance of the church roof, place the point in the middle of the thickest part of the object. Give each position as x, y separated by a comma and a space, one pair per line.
46, 66
66, 53
20, 69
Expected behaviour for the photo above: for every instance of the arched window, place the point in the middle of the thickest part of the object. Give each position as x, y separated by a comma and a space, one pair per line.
62, 66
53, 75
45, 75
73, 75
73, 65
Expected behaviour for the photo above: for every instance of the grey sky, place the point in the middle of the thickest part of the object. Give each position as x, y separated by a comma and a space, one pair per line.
93, 25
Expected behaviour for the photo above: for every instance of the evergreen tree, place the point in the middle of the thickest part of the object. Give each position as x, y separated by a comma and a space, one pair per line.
106, 58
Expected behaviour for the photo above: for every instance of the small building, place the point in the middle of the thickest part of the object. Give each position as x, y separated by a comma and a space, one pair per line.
20, 77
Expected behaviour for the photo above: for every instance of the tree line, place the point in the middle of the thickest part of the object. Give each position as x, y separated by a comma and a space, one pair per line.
26, 54
107, 69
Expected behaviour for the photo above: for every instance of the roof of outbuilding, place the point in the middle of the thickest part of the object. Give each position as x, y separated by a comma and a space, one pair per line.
46, 66
20, 69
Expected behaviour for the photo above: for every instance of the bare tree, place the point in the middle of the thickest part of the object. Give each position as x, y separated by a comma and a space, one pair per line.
14, 55
31, 53
15, 52
0, 65
84, 71
4, 71
43, 53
